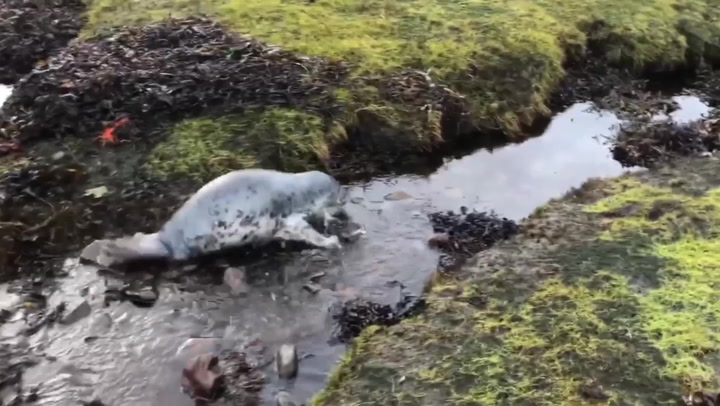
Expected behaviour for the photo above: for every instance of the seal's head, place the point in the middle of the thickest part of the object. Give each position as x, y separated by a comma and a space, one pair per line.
322, 192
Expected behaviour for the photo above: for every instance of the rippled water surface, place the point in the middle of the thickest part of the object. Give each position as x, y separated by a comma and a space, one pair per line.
132, 357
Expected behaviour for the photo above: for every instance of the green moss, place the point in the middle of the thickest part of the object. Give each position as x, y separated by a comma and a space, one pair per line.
504, 56
276, 138
681, 313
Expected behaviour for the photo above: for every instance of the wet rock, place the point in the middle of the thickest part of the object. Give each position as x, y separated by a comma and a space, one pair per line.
394, 196
235, 279
440, 241
202, 377
284, 399
286, 361
144, 297
78, 313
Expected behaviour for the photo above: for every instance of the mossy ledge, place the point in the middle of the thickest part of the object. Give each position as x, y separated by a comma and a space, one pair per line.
609, 295
279, 138
424, 72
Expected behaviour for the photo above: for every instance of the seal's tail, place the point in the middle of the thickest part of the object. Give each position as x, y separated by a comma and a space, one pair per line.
112, 252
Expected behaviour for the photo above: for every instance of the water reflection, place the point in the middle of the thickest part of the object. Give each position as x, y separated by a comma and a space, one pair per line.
515, 179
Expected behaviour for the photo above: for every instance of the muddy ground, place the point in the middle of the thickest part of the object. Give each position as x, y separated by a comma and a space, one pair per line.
61, 187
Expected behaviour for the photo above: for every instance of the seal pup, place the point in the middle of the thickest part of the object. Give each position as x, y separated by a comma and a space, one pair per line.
243, 207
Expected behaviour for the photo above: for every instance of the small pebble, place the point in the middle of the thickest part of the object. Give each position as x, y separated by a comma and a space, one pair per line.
287, 361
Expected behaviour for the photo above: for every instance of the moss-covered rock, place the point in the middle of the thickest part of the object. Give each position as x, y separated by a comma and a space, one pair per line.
504, 57
276, 138
608, 295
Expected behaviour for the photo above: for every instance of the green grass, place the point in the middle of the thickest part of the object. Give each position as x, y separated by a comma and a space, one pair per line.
504, 56
624, 300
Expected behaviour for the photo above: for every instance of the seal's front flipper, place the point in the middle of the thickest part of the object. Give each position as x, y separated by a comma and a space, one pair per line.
297, 229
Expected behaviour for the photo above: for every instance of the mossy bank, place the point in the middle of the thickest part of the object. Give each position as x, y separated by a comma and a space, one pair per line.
608, 295
424, 71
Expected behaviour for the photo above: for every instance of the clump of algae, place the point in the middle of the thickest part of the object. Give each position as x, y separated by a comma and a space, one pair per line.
276, 138
627, 319
504, 56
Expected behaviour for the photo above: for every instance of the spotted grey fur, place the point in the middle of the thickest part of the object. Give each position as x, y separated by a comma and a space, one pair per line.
244, 207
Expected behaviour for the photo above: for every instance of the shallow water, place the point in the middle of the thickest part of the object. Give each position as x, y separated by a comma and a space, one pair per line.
135, 359
691, 108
